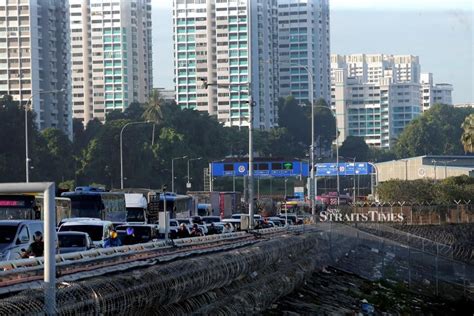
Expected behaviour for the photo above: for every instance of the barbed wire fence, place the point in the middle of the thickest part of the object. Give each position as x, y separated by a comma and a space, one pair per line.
255, 276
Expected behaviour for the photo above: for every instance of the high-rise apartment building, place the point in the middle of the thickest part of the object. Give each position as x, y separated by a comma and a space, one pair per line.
371, 67
34, 59
376, 95
228, 44
377, 111
303, 44
111, 50
433, 93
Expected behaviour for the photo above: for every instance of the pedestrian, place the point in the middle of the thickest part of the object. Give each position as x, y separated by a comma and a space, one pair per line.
183, 231
227, 229
36, 248
129, 238
212, 230
196, 231
112, 240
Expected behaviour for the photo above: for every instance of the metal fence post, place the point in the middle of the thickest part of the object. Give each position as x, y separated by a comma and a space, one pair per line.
464, 280
436, 267
383, 258
409, 261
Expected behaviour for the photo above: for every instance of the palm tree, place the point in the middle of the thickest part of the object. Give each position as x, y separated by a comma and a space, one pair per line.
153, 111
467, 137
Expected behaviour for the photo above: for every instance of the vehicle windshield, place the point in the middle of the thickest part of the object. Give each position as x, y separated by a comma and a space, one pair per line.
120, 216
16, 213
71, 241
183, 221
135, 214
7, 234
85, 207
95, 232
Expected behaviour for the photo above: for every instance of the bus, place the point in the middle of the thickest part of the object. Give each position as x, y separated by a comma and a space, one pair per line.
30, 207
97, 203
179, 206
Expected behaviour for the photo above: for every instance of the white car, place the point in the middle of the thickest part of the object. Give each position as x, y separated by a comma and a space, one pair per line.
98, 230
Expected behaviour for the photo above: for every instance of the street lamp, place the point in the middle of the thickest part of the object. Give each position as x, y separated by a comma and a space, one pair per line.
446, 168
434, 162
311, 147
172, 170
337, 148
205, 85
27, 158
406, 168
121, 149
188, 184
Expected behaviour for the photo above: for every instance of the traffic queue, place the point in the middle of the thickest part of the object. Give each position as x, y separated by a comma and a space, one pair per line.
90, 218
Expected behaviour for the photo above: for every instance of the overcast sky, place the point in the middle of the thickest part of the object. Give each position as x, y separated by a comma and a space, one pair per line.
439, 31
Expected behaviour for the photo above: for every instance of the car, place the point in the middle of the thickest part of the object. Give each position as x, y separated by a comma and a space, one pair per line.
196, 220
71, 241
142, 233
211, 219
16, 235
97, 229
235, 223
238, 216
277, 221
292, 218
186, 221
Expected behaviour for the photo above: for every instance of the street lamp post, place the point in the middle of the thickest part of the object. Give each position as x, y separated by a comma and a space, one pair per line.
188, 184
251, 103
172, 170
434, 162
446, 167
121, 149
337, 149
27, 158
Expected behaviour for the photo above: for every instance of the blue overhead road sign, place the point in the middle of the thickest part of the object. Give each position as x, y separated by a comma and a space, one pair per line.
345, 169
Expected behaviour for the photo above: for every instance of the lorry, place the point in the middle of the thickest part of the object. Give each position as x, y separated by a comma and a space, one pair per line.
136, 205
222, 204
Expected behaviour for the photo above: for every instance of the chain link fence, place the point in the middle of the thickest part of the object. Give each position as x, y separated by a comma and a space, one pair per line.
379, 251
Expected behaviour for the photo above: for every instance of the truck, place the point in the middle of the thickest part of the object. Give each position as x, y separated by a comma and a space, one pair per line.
136, 205
222, 204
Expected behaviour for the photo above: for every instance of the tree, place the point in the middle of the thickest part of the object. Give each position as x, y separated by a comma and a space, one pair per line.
416, 191
294, 118
467, 138
436, 132
324, 125
355, 146
59, 149
153, 112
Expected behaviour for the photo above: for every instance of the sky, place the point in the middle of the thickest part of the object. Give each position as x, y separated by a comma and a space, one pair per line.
440, 32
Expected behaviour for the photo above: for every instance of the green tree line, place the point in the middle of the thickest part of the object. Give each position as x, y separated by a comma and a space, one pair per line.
94, 154
417, 191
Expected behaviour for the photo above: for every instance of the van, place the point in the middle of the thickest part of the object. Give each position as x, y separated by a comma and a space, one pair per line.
16, 235
97, 229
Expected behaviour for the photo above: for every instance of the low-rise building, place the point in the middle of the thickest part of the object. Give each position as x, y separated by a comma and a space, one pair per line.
425, 167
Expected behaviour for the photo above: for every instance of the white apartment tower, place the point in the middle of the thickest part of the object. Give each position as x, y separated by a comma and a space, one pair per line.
34, 59
111, 48
371, 67
433, 93
304, 49
377, 111
228, 44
